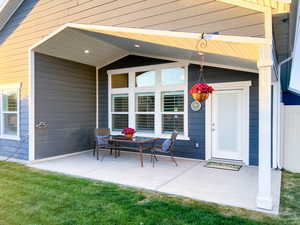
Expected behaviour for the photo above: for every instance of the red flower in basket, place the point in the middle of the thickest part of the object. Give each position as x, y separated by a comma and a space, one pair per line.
201, 88
201, 91
128, 132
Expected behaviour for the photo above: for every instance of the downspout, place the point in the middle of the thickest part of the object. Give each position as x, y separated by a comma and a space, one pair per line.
281, 129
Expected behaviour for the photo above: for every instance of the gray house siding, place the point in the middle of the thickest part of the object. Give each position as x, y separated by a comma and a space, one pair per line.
65, 98
196, 120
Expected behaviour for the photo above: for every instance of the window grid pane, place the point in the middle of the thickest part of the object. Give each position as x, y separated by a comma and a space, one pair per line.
119, 121
119, 81
145, 79
171, 122
145, 102
173, 101
9, 101
172, 76
10, 121
120, 103
145, 122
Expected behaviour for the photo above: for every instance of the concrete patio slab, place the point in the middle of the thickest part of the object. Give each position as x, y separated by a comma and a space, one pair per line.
190, 179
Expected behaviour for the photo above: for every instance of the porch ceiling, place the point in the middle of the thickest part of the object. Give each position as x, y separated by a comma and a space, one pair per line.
107, 44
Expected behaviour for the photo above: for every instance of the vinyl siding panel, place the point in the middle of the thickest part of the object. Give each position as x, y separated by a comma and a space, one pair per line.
65, 99
35, 19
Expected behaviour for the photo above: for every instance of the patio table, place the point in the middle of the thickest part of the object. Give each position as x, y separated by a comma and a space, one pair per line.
140, 142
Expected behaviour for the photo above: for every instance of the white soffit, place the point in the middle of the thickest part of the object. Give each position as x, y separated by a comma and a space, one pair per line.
107, 44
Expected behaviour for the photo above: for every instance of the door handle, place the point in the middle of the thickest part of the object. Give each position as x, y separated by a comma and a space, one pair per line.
213, 129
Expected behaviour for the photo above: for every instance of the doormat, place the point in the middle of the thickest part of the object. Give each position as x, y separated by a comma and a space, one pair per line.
223, 166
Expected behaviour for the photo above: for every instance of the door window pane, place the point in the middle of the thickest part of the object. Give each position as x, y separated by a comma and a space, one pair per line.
119, 80
171, 122
173, 101
145, 79
173, 76
120, 103
228, 107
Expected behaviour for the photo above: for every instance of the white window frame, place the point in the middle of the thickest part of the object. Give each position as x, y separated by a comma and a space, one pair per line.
16, 87
157, 89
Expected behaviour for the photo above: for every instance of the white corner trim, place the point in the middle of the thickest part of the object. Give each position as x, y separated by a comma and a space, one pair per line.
97, 97
31, 103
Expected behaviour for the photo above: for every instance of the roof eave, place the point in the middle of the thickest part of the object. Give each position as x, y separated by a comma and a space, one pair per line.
8, 8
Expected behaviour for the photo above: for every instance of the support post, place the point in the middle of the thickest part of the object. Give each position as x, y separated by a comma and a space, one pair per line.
264, 195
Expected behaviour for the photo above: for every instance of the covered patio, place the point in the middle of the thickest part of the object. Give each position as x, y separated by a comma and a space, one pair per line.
190, 179
95, 47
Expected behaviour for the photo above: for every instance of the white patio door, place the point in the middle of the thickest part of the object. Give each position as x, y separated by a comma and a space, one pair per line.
227, 124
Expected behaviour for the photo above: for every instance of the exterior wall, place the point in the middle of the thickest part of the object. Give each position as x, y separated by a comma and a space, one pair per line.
290, 99
37, 18
291, 152
196, 119
65, 98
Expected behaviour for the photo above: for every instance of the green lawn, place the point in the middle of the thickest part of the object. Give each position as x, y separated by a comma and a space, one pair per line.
29, 196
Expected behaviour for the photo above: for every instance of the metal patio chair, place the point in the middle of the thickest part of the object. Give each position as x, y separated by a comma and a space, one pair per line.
169, 147
101, 143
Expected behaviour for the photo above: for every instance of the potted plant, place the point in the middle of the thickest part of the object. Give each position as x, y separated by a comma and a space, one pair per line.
200, 91
128, 132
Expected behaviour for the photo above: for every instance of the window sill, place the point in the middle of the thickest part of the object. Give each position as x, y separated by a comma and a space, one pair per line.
151, 135
12, 138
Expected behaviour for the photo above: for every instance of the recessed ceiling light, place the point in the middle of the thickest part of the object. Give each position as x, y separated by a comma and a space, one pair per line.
137, 46
86, 51
200, 53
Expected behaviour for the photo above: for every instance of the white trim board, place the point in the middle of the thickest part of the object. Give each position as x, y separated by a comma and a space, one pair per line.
243, 85
31, 102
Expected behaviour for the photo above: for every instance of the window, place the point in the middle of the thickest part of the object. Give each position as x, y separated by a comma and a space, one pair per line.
145, 112
9, 111
154, 102
119, 111
173, 111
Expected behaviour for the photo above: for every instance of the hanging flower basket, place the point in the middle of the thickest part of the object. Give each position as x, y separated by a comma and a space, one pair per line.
200, 91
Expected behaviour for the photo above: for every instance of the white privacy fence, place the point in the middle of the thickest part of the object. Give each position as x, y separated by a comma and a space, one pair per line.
291, 138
